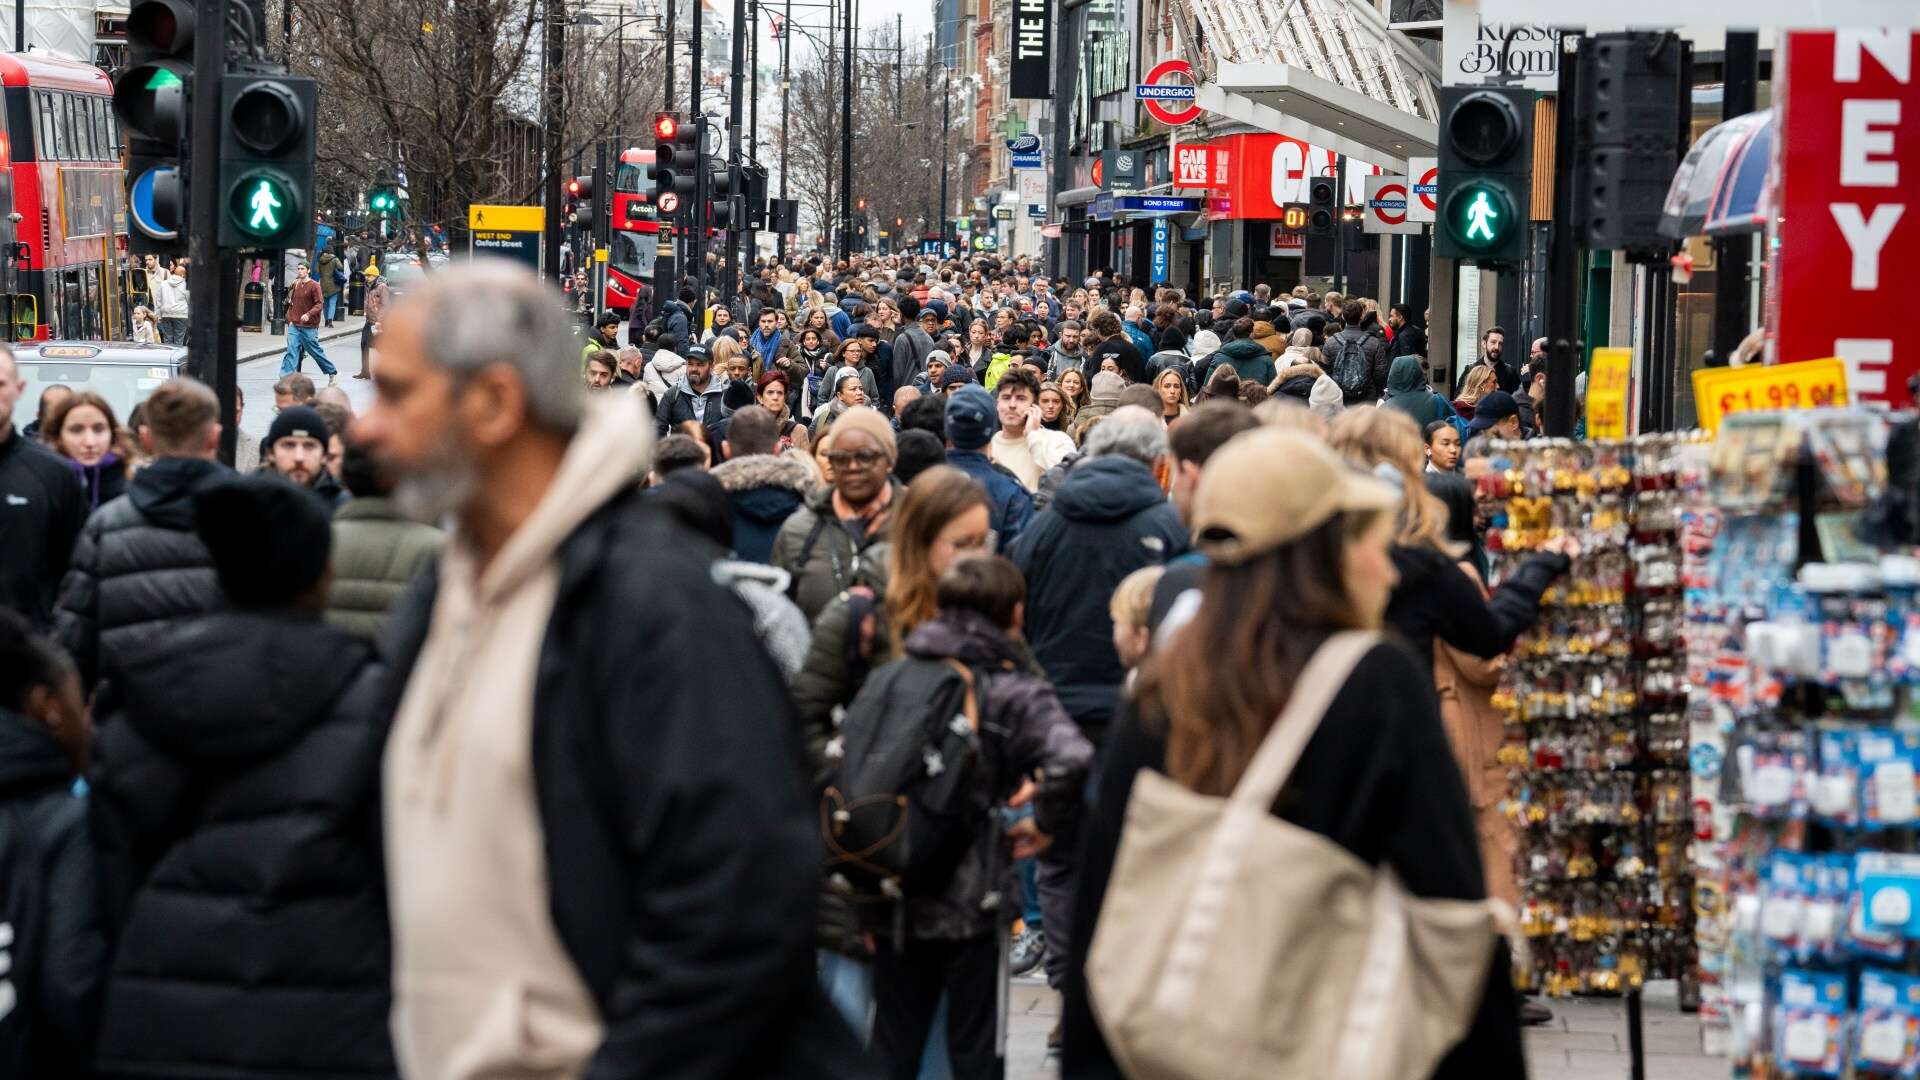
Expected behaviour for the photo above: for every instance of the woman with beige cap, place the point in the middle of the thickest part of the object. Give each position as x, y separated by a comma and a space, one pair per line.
1359, 775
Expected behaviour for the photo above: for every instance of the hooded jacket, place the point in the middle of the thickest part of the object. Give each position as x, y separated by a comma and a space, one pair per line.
664, 372
676, 406
1325, 398
910, 348
764, 490
1248, 359
821, 554
1407, 391
1108, 519
235, 802
1269, 339
679, 321
42, 510
376, 554
139, 567
1298, 386
1370, 350
1023, 729
58, 952
1009, 503
675, 844
1204, 344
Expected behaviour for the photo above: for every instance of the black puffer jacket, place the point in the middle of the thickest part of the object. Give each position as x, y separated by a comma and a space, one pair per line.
1109, 519
238, 820
47, 895
138, 568
41, 511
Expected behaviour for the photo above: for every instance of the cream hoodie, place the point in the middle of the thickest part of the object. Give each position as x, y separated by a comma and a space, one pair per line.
482, 986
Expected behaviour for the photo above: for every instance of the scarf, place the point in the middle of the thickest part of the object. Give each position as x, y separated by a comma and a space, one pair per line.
767, 346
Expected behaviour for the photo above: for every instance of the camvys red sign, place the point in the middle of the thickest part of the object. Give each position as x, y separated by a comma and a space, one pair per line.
1162, 95
1191, 166
1849, 149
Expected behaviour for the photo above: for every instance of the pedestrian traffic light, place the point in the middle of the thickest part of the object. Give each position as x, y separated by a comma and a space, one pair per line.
720, 191
753, 192
1486, 173
580, 193
266, 160
384, 201
676, 161
150, 100
1322, 211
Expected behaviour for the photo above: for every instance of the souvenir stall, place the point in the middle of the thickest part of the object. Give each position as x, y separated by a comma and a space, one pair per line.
1803, 640
1596, 702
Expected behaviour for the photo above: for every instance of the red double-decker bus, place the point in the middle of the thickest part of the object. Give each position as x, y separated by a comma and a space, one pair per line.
63, 233
636, 231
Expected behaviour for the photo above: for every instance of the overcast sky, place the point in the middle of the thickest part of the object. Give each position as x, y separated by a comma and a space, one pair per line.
916, 17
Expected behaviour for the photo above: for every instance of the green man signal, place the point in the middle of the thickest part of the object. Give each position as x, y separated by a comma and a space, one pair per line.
1479, 216
264, 204
259, 206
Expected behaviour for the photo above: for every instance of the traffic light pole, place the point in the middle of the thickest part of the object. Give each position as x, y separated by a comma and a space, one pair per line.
603, 199
1563, 261
212, 341
730, 271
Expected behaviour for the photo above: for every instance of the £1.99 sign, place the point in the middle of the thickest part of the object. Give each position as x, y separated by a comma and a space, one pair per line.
1810, 384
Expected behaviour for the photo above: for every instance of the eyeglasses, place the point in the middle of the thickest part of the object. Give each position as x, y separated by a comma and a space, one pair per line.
856, 459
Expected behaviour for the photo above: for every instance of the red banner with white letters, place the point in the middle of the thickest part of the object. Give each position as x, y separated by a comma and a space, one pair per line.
1848, 164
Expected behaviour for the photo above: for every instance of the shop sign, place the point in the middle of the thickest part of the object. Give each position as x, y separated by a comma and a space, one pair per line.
1119, 170
1608, 378
1003, 213
1849, 157
1169, 102
1386, 206
1037, 210
1031, 70
1425, 174
1023, 152
1809, 384
1190, 166
1650, 14
1470, 49
1282, 242
1263, 173
1161, 256
1102, 208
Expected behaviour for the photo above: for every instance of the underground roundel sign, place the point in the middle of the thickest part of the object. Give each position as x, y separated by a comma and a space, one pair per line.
1170, 102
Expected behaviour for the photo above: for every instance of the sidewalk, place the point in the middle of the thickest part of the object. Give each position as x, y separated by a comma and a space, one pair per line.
1585, 1040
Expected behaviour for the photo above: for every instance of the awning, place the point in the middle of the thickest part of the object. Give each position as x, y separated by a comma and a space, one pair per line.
1330, 73
1076, 196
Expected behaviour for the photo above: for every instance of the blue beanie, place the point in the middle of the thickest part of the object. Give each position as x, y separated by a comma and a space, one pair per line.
972, 418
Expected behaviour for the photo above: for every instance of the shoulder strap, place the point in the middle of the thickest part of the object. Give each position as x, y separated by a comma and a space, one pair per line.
1313, 692
971, 702
806, 549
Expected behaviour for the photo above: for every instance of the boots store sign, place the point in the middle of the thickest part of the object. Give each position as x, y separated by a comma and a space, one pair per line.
1849, 150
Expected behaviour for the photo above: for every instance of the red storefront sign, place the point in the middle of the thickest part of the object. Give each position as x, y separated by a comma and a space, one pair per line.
1258, 174
1191, 166
1849, 156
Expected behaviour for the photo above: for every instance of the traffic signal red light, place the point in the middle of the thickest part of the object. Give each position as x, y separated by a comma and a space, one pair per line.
860, 204
664, 126
573, 188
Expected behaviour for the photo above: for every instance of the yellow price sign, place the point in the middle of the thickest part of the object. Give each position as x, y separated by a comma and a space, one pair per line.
1608, 378
1809, 384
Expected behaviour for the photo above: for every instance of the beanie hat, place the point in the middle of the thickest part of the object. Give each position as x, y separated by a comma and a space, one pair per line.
972, 418
1106, 388
956, 375
940, 355
867, 419
296, 420
268, 538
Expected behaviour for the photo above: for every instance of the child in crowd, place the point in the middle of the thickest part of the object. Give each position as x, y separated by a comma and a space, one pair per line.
1131, 603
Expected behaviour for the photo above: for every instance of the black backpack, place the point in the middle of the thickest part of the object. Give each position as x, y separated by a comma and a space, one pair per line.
904, 804
1346, 359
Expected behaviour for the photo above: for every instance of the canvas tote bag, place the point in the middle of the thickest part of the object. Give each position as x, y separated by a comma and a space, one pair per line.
1233, 944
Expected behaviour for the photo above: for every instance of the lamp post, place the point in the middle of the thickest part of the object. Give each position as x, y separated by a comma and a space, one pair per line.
786, 118
846, 136
946, 144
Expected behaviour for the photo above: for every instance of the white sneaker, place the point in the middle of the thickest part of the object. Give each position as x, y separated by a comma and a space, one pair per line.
333, 380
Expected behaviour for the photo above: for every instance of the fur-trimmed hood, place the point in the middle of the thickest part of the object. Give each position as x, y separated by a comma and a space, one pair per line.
753, 471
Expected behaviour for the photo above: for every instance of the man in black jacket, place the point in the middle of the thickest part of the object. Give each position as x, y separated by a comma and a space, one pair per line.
1367, 353
569, 817
1408, 338
1114, 342
139, 567
42, 508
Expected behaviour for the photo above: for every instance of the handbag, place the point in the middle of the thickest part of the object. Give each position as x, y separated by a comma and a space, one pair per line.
1233, 945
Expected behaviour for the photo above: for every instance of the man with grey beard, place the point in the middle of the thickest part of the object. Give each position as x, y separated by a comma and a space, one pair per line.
572, 817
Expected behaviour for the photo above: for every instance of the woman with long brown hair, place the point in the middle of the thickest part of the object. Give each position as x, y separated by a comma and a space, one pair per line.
1435, 598
83, 430
1299, 548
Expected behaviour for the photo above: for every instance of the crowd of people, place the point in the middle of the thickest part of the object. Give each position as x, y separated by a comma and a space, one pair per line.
755, 696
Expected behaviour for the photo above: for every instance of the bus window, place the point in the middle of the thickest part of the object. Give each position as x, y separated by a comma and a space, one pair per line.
632, 253
43, 106
102, 135
632, 178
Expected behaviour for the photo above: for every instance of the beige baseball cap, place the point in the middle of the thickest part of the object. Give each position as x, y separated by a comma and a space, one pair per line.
1269, 486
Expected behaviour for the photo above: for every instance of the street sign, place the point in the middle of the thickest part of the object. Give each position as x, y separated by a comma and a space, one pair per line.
1157, 204
1162, 255
1425, 174
1386, 206
1155, 92
1849, 157
1191, 169
1607, 382
507, 232
1720, 392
